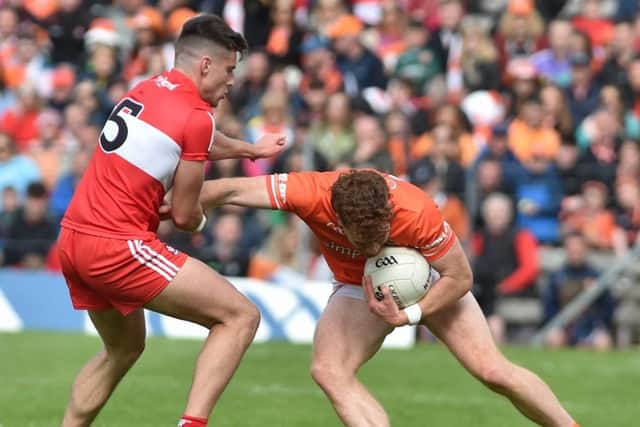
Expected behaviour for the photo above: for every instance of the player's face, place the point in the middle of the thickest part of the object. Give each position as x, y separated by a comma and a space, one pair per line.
217, 76
370, 244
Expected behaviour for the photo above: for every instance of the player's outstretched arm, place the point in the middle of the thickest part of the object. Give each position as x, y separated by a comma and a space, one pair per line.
225, 147
250, 192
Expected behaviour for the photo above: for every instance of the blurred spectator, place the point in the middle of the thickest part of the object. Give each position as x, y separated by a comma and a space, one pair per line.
65, 185
520, 31
387, 38
447, 40
452, 117
67, 27
285, 36
424, 175
225, 254
505, 260
274, 118
627, 215
333, 136
527, 132
63, 80
372, 148
590, 20
497, 148
280, 254
444, 155
598, 162
10, 204
48, 150
326, 12
621, 53
20, 121
16, 171
539, 193
478, 58
521, 78
592, 328
553, 63
32, 232
566, 161
629, 165
588, 214
148, 27
556, 113
419, 63
24, 61
246, 95
583, 93
360, 68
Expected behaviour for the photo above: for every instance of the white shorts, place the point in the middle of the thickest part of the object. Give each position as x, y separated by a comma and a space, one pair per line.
349, 291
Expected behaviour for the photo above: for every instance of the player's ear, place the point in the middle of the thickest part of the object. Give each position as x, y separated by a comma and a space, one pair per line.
205, 65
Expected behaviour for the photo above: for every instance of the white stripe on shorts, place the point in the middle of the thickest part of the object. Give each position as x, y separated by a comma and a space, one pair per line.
158, 258
149, 264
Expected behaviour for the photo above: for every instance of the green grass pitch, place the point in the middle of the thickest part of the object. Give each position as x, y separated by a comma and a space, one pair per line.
421, 387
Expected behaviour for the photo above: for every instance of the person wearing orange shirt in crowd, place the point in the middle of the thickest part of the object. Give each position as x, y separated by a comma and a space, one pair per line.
355, 214
527, 133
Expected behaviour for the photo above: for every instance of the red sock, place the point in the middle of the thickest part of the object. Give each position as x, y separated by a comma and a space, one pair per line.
188, 421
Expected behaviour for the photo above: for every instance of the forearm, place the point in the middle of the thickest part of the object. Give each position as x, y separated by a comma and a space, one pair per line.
444, 292
230, 148
216, 192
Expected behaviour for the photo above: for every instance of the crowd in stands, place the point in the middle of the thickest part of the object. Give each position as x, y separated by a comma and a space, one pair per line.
521, 118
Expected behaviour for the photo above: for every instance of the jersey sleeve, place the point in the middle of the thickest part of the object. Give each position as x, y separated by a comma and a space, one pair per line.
435, 236
293, 192
197, 140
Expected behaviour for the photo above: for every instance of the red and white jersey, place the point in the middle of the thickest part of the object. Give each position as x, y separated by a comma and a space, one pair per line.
160, 121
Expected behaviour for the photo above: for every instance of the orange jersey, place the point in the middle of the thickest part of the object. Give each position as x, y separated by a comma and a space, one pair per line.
415, 222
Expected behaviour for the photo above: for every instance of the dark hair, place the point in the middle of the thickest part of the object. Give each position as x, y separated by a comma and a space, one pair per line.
36, 190
360, 198
211, 28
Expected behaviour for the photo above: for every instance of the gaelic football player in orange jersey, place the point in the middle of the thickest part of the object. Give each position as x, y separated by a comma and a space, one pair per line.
354, 214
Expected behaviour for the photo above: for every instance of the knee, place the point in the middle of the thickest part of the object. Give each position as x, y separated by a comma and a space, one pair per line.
327, 376
125, 355
246, 319
495, 375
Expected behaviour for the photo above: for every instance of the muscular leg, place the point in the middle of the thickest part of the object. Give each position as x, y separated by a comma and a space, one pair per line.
123, 339
465, 332
199, 294
348, 335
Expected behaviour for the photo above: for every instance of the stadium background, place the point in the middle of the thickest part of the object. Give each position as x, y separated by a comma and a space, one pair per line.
537, 101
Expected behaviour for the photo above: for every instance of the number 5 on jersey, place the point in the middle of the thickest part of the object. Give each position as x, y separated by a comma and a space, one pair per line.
115, 131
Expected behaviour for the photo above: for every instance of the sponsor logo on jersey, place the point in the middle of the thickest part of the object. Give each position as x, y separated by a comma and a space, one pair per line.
343, 250
335, 227
171, 249
385, 261
162, 81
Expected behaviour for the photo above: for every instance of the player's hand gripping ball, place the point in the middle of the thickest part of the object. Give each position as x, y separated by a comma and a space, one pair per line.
403, 270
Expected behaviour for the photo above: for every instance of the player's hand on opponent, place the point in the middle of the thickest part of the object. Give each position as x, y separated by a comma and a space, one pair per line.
386, 308
269, 145
164, 211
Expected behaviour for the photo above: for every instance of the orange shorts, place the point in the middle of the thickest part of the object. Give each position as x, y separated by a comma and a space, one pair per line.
103, 273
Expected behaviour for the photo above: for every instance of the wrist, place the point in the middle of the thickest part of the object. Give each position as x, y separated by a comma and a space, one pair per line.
413, 313
202, 225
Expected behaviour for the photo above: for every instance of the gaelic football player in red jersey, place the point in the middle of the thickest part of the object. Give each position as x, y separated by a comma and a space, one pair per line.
157, 138
353, 215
